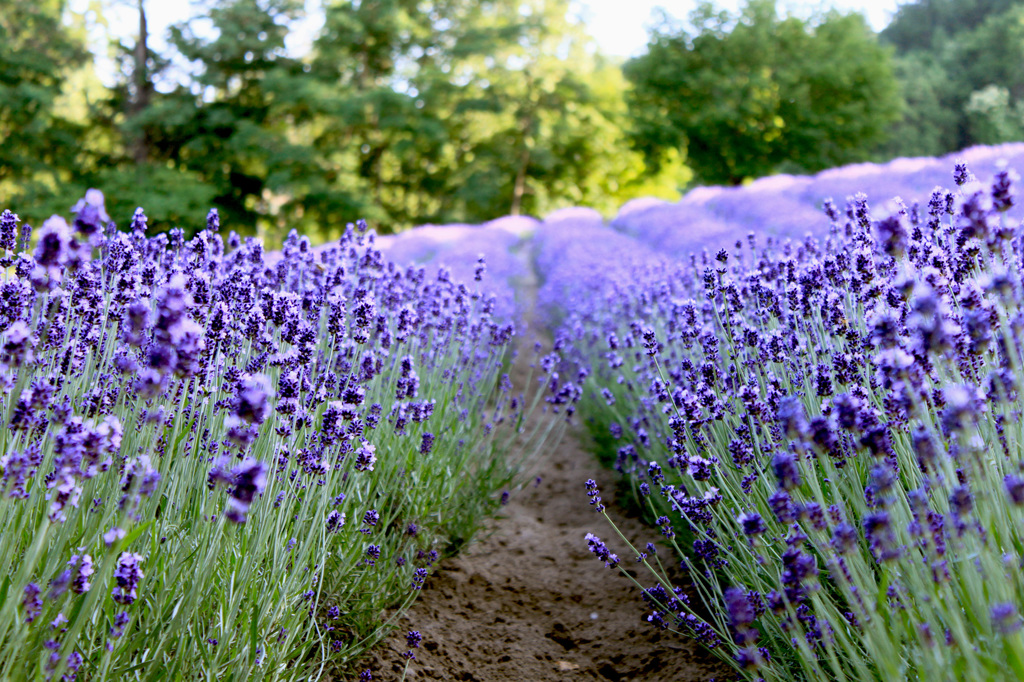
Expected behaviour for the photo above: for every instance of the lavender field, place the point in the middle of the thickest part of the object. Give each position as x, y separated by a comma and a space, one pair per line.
223, 463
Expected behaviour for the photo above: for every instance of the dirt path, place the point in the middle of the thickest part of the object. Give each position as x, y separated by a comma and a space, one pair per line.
529, 602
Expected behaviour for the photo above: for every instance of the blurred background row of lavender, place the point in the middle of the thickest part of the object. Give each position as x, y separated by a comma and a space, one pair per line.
571, 249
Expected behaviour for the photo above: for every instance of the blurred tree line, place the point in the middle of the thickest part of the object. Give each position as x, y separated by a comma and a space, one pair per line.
413, 111
959, 63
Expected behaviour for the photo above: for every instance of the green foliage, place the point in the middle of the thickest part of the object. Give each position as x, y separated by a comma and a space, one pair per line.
406, 112
746, 94
958, 65
928, 114
469, 110
402, 113
927, 24
230, 122
38, 144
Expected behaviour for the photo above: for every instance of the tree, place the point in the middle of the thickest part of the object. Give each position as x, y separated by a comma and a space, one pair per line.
928, 24
39, 144
459, 110
930, 117
124, 128
958, 63
744, 95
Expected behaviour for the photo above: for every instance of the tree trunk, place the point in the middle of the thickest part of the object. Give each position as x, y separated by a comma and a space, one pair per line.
143, 89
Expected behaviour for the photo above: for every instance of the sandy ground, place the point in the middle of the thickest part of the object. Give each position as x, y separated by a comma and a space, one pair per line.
529, 602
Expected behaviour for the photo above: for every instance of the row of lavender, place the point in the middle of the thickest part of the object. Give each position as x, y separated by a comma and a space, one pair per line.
219, 464
784, 206
826, 431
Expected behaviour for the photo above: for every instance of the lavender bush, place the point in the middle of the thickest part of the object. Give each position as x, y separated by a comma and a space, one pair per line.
787, 206
222, 465
827, 433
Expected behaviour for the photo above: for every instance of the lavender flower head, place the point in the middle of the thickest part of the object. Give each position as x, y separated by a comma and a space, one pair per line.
784, 465
250, 479
366, 456
8, 230
1005, 619
752, 524
213, 221
54, 242
252, 404
598, 548
127, 575
90, 213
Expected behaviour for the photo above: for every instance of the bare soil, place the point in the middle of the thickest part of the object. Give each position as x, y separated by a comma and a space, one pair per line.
530, 602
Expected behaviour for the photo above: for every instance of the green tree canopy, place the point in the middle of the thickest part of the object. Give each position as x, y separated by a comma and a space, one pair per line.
403, 112
39, 143
746, 95
958, 63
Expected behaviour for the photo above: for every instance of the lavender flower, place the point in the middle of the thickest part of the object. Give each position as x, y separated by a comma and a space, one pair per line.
752, 525
83, 569
1015, 489
595, 495
252, 403
248, 480
427, 443
127, 576
784, 465
31, 603
598, 548
366, 457
90, 213
1005, 619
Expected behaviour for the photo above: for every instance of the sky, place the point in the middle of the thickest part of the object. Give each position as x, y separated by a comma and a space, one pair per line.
618, 26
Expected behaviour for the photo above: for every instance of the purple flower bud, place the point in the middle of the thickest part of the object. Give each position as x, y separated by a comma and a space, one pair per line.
1005, 619
844, 538
892, 234
961, 501
960, 411
741, 613
366, 457
786, 469
83, 568
427, 443
1015, 489
1002, 193
113, 535
752, 524
601, 550
881, 538
18, 344
782, 506
249, 479
961, 174
31, 602
127, 575
335, 521
8, 230
595, 495
90, 213
251, 403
